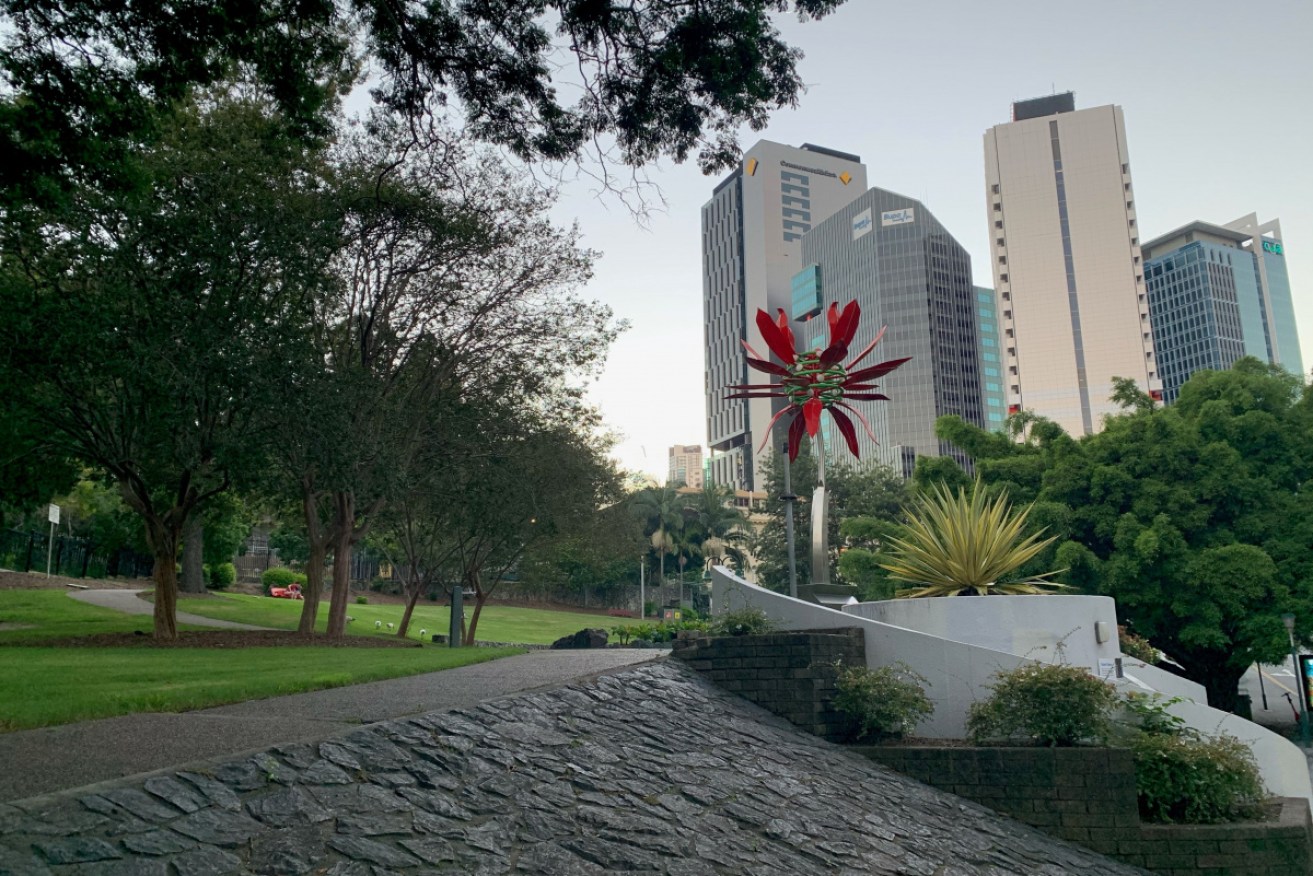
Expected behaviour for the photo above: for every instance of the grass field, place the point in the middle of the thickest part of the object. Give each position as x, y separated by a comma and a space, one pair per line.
498, 623
41, 686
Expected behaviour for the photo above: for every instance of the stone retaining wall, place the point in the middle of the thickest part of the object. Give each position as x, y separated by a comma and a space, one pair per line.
791, 674
1087, 796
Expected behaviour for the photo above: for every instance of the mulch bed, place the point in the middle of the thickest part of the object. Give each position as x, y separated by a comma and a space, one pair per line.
217, 639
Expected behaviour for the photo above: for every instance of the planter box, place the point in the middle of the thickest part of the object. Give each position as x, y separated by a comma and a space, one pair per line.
1087, 796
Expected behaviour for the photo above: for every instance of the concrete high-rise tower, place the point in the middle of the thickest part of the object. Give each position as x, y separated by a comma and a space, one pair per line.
752, 230
1066, 261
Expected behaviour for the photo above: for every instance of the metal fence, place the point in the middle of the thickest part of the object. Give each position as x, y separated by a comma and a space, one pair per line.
69, 556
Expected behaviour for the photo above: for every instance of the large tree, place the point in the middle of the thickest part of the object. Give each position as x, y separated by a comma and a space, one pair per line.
646, 79
1194, 517
449, 275
148, 323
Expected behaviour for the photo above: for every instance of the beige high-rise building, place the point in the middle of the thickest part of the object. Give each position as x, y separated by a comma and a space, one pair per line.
1066, 259
686, 466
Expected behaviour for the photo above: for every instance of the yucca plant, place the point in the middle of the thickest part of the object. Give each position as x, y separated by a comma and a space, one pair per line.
955, 545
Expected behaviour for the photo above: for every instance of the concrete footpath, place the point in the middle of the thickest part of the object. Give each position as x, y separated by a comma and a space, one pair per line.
52, 759
128, 602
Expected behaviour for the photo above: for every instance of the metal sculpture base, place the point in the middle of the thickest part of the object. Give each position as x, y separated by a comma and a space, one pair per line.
828, 595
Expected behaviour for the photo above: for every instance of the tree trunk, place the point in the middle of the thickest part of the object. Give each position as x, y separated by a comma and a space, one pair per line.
411, 598
164, 544
193, 548
314, 588
344, 537
314, 566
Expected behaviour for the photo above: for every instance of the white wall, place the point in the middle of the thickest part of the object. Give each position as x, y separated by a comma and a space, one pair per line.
958, 674
1027, 626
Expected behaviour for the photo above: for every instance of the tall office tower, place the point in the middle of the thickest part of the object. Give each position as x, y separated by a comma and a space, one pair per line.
991, 368
686, 465
1066, 259
1212, 296
751, 233
890, 254
1269, 250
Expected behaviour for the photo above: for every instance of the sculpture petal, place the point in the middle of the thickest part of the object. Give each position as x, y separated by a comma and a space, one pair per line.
811, 410
847, 430
780, 344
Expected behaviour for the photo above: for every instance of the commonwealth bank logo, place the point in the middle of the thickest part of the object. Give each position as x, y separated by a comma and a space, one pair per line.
752, 166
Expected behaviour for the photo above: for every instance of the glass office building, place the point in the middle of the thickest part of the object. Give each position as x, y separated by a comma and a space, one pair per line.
991, 366
888, 253
1216, 294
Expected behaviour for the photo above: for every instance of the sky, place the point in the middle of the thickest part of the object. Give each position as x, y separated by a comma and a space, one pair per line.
1219, 120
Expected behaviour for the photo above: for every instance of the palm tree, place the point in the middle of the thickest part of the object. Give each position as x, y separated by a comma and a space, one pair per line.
953, 545
662, 511
718, 525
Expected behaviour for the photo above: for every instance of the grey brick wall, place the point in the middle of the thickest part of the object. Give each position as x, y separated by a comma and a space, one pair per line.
1087, 796
791, 674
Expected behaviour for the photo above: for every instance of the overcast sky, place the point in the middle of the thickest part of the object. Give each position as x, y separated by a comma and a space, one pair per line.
1219, 119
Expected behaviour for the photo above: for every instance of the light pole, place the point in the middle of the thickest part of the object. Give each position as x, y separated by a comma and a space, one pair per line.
1289, 620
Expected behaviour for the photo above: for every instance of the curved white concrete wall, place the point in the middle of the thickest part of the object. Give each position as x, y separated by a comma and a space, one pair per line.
1051, 629
1151, 678
959, 674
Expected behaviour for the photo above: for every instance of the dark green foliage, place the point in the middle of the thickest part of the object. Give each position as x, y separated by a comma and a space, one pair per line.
875, 496
885, 702
1182, 779
1045, 703
1195, 517
86, 78
280, 577
220, 576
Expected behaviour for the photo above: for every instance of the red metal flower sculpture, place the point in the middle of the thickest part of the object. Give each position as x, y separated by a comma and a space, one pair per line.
816, 380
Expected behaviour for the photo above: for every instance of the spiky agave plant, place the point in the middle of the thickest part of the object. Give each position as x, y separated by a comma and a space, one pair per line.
955, 545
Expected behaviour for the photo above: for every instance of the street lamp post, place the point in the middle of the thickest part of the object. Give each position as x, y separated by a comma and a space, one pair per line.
1289, 620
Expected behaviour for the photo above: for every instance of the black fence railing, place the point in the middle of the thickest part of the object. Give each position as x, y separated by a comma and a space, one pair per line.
69, 556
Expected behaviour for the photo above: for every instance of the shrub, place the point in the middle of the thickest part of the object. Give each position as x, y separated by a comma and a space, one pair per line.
1137, 646
362, 600
221, 575
886, 702
742, 622
280, 577
1050, 704
1186, 779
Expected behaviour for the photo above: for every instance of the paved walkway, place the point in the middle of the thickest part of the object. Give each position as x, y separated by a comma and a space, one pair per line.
52, 759
128, 602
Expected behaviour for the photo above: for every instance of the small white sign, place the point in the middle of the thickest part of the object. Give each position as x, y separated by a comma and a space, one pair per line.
862, 224
53, 514
897, 217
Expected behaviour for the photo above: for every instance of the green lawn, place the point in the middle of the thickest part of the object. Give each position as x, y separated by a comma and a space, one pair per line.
52, 614
42, 686
498, 623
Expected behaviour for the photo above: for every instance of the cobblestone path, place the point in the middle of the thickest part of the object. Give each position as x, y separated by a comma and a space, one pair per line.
651, 771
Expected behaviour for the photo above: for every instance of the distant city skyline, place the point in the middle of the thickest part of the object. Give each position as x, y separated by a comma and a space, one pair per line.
912, 90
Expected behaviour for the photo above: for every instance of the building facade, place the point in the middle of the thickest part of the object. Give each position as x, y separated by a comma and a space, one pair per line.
1269, 250
752, 230
1212, 295
989, 341
890, 254
686, 466
1066, 261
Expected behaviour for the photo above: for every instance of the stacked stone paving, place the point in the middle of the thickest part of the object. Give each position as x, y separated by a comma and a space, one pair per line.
650, 771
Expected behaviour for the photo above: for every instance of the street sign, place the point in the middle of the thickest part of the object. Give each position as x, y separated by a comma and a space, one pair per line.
53, 514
